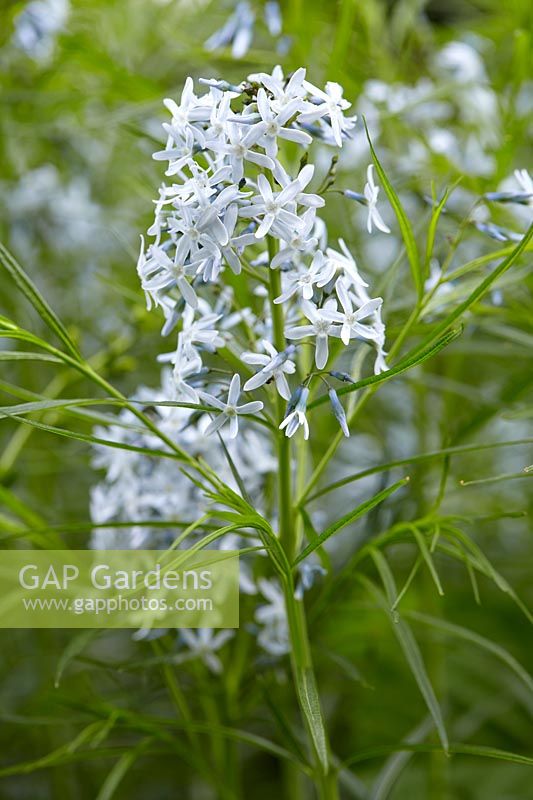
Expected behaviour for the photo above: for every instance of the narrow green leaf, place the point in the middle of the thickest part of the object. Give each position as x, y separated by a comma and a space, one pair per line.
7, 324
407, 641
507, 476
310, 705
18, 507
234, 471
416, 459
69, 402
76, 646
19, 355
432, 228
388, 776
411, 360
280, 715
426, 555
46, 405
341, 523
88, 438
477, 293
403, 221
474, 638
32, 294
312, 536
349, 669
156, 724
454, 749
410, 578
122, 766
60, 755
480, 261
482, 563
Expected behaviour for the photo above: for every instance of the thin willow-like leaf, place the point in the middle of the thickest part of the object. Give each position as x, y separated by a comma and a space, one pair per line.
207, 728
475, 638
388, 775
312, 536
454, 749
47, 405
33, 295
481, 261
426, 555
19, 355
88, 438
234, 471
507, 476
76, 645
477, 293
484, 565
57, 756
123, 765
416, 459
411, 360
405, 588
406, 228
352, 516
432, 227
407, 642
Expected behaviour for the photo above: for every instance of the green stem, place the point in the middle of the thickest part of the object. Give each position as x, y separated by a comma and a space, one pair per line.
287, 531
301, 663
430, 600
293, 788
328, 787
303, 672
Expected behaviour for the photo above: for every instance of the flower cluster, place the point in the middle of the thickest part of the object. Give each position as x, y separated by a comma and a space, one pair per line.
37, 26
239, 28
41, 206
239, 256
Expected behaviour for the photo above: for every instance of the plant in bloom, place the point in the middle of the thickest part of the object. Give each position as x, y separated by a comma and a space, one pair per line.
271, 334
260, 306
238, 257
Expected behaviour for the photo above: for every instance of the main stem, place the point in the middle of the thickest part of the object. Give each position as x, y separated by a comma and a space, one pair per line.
326, 783
287, 531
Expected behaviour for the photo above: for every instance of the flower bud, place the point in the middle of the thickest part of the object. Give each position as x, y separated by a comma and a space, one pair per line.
338, 410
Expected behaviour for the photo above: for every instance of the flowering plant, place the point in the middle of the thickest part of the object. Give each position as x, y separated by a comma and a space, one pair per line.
239, 261
270, 322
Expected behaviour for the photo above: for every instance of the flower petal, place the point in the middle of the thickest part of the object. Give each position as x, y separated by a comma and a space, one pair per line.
234, 389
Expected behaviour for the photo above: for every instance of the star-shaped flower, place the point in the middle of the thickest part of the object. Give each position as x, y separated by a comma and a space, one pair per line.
274, 365
351, 318
230, 411
318, 274
321, 327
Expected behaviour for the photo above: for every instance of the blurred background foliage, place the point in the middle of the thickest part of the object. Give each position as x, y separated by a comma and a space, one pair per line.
77, 130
